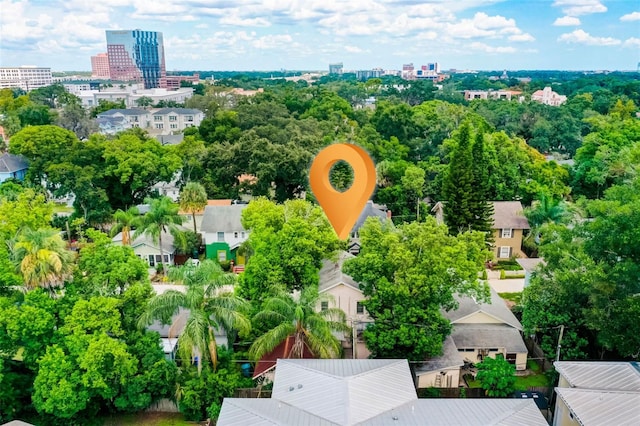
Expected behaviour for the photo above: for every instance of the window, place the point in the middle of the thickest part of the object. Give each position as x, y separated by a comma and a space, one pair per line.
189, 118
222, 256
504, 252
359, 308
235, 235
220, 236
324, 306
507, 233
157, 118
152, 260
242, 234
173, 126
160, 126
173, 118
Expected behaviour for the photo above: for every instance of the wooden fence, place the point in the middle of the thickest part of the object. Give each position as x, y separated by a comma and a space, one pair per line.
252, 393
163, 406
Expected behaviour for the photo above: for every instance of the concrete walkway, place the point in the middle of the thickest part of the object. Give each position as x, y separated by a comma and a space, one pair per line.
504, 286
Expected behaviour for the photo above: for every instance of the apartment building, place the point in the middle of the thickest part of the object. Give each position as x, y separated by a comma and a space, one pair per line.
25, 77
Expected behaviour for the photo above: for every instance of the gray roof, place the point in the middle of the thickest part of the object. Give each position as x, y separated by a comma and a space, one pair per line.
180, 111
17, 423
462, 412
530, 264
10, 163
596, 407
145, 239
331, 273
365, 392
369, 210
174, 329
622, 376
497, 309
129, 111
450, 358
488, 336
222, 218
344, 391
509, 215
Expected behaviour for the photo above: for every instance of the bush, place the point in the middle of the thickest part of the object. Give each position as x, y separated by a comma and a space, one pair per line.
496, 376
225, 265
502, 274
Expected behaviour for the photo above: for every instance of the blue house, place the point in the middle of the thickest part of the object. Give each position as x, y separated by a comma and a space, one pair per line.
12, 166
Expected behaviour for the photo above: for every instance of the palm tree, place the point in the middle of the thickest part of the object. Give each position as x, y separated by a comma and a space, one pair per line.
297, 317
162, 217
545, 210
41, 257
193, 198
210, 304
125, 221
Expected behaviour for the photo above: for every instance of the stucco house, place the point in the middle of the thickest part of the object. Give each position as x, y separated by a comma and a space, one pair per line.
509, 225
12, 167
597, 393
223, 233
331, 392
485, 329
442, 371
347, 296
148, 250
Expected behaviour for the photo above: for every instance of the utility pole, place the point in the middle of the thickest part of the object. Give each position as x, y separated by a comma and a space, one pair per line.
559, 342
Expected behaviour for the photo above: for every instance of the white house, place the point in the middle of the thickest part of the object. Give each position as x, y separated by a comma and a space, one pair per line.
223, 233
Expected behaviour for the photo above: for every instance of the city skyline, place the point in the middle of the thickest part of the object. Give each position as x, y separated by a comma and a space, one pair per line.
291, 34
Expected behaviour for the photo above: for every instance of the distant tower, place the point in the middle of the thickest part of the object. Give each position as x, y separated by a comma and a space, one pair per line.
335, 68
136, 55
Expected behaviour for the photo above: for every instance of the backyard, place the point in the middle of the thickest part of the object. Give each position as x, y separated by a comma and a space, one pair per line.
148, 419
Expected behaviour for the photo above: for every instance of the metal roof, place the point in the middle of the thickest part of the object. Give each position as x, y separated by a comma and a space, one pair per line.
597, 407
222, 218
488, 336
10, 163
623, 376
509, 214
344, 391
450, 358
497, 308
462, 412
265, 412
331, 273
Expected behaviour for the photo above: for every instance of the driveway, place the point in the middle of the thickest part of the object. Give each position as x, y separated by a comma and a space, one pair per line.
504, 286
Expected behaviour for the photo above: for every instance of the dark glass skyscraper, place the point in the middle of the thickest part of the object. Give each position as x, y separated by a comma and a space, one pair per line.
136, 55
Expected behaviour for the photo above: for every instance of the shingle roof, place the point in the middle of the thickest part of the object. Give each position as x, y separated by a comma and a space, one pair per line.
450, 358
10, 163
597, 407
369, 210
623, 376
128, 111
497, 309
144, 239
331, 273
222, 218
509, 214
488, 336
180, 111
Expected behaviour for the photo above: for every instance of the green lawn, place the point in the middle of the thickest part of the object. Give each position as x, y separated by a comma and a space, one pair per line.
148, 419
62, 208
534, 380
514, 297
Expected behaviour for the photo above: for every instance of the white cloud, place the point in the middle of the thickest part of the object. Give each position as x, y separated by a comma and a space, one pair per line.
237, 21
353, 49
477, 46
632, 42
580, 7
567, 21
272, 41
633, 16
582, 37
522, 37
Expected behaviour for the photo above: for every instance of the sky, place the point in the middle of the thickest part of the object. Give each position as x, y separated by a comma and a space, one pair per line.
310, 34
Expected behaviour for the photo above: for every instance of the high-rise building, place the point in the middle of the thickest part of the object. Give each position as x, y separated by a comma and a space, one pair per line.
25, 77
335, 68
136, 55
100, 66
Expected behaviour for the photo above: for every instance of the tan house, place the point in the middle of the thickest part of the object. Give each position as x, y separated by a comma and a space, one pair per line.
509, 225
486, 329
347, 296
597, 393
442, 371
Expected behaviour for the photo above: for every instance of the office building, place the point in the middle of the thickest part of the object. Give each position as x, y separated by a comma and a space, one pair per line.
136, 55
100, 66
335, 68
25, 77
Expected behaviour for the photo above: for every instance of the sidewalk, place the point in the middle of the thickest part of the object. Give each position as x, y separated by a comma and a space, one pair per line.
504, 286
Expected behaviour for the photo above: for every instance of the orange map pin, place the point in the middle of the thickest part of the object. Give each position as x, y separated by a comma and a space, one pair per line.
343, 208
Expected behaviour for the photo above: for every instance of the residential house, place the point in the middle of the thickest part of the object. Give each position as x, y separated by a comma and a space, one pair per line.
175, 119
486, 329
347, 296
548, 97
169, 333
597, 393
12, 167
116, 120
529, 265
163, 121
148, 250
223, 233
442, 371
370, 210
509, 225
188, 217
365, 392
